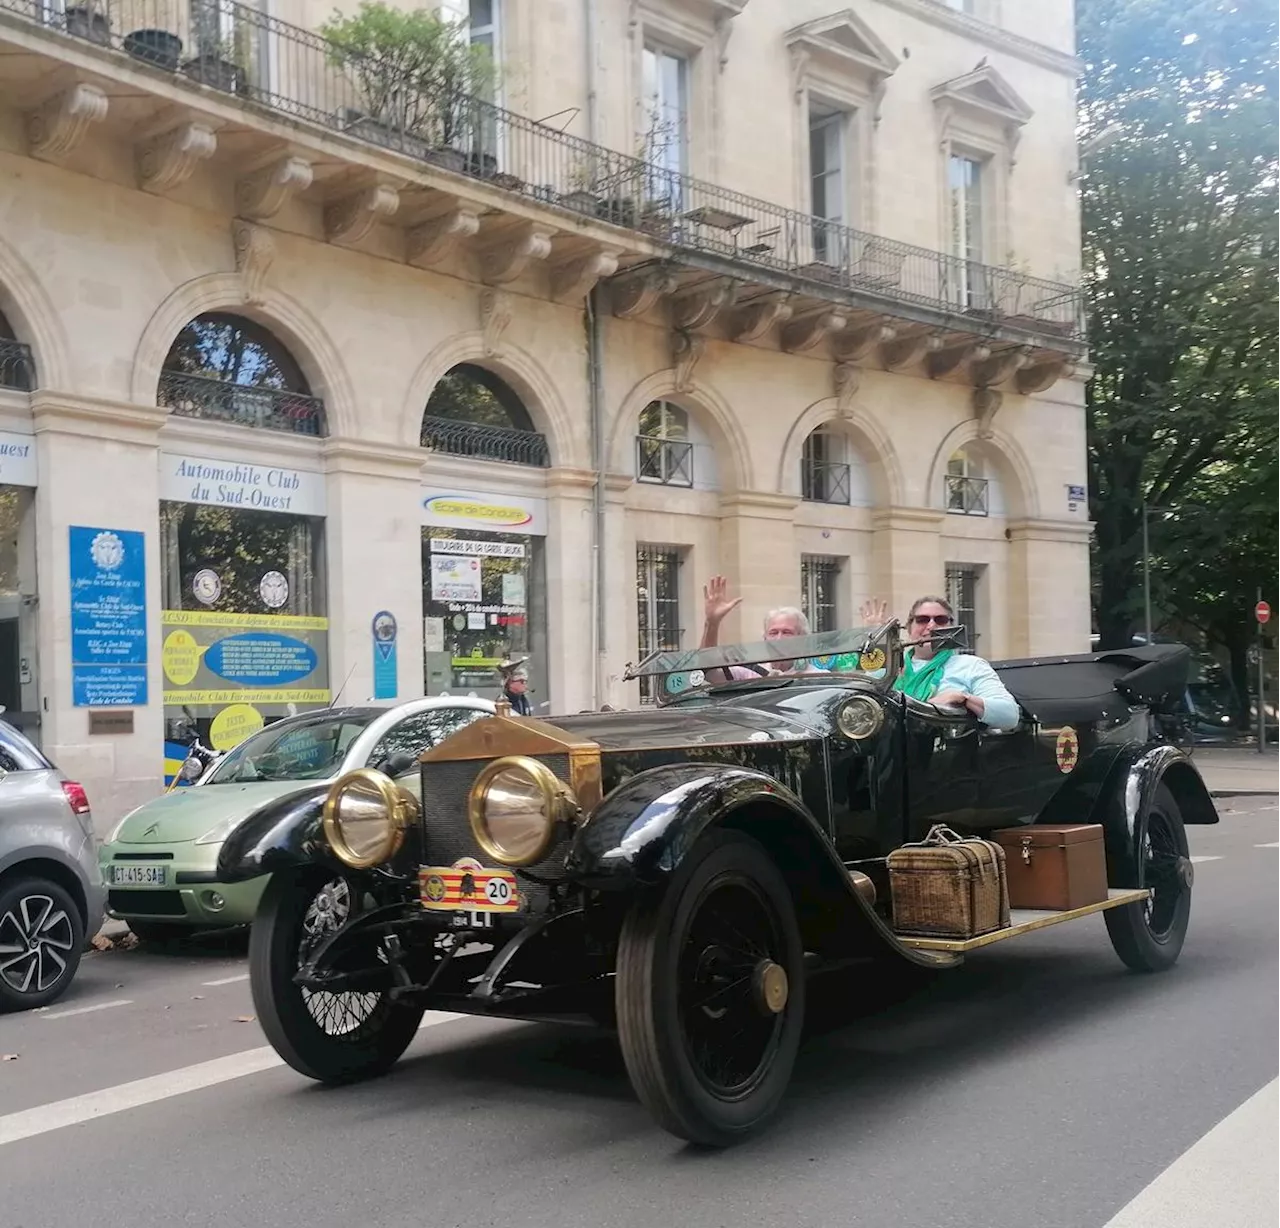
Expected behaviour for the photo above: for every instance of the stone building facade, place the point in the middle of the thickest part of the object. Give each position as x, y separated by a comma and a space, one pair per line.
300, 364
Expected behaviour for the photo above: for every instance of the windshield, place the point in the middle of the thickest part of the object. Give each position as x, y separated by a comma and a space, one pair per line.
864, 652
309, 748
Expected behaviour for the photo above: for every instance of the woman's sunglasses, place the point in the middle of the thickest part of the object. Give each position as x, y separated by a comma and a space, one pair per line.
942, 620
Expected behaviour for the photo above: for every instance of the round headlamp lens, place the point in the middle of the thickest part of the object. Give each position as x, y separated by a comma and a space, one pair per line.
365, 817
515, 806
860, 718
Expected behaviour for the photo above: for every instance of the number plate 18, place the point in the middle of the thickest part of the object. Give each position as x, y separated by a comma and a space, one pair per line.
451, 888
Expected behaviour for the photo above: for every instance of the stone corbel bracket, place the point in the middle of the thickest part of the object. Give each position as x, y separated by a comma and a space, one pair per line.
495, 318
574, 277
846, 379
753, 320
170, 159
908, 349
999, 366
349, 219
858, 344
686, 351
808, 332
633, 294
1043, 372
431, 242
58, 126
510, 254
986, 404
699, 306
255, 250
263, 193
950, 357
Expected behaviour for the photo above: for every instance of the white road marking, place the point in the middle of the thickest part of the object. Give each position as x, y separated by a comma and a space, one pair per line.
226, 980
1195, 861
85, 1010
1275, 844
1228, 1177
93, 1105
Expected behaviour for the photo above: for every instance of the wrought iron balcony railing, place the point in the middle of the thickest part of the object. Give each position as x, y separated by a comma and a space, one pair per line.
967, 496
497, 443
17, 368
824, 481
271, 409
669, 461
295, 72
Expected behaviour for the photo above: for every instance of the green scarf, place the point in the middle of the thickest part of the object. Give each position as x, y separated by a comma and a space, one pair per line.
921, 683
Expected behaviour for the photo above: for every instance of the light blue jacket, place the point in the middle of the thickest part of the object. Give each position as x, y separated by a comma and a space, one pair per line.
974, 676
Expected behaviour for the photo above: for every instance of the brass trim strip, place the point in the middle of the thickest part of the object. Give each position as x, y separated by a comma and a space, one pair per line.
585, 778
1116, 898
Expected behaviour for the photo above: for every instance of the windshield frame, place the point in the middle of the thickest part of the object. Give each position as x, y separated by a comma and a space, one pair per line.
827, 646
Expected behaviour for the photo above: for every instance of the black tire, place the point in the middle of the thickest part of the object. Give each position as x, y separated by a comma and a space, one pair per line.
1148, 936
674, 1043
159, 933
41, 938
307, 1029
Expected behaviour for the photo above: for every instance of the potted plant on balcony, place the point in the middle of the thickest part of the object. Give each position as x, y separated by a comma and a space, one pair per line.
157, 45
419, 81
217, 64
88, 20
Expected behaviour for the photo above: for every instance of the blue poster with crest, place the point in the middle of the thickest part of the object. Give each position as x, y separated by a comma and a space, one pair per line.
108, 618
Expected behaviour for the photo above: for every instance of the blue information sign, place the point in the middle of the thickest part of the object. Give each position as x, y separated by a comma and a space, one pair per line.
384, 655
108, 618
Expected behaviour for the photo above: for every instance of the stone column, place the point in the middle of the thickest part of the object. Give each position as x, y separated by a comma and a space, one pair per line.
906, 559
570, 585
758, 557
98, 467
373, 532
620, 644
1049, 608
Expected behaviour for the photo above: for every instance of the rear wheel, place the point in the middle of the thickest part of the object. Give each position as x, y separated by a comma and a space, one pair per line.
710, 993
330, 1037
41, 937
1148, 936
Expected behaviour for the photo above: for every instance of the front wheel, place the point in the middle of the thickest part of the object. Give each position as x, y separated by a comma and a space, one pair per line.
41, 937
710, 992
1148, 936
330, 1037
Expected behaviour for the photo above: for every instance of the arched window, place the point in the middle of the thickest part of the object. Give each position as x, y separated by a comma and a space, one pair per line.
472, 412
824, 467
664, 451
16, 367
966, 489
230, 369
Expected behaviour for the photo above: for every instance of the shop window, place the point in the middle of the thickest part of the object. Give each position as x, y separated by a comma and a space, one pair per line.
664, 451
244, 615
472, 412
657, 605
483, 601
819, 577
230, 369
18, 608
17, 370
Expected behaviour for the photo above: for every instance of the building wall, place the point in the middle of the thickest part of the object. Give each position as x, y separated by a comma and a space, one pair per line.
99, 277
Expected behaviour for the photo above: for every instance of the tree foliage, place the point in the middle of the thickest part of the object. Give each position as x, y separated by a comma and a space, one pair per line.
1179, 215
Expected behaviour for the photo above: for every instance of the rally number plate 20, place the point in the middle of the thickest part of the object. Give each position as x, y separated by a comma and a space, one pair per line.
454, 888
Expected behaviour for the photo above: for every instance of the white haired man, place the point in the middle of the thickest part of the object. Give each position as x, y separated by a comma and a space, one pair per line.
782, 623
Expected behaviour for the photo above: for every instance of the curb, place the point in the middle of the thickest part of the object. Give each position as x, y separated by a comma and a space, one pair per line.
1242, 792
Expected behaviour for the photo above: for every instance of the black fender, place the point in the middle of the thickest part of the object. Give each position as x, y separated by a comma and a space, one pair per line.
1137, 774
280, 835
637, 837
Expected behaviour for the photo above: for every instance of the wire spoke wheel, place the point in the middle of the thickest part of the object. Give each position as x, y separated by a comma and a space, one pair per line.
337, 1014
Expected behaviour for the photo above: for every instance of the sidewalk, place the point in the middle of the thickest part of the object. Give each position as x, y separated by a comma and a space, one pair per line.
1231, 772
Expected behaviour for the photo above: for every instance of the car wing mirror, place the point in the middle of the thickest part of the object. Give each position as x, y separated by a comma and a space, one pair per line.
397, 763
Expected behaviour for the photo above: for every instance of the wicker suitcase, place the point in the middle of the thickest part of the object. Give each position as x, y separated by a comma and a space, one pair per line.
947, 886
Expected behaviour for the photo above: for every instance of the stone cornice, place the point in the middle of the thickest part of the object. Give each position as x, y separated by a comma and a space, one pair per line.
380, 460
908, 519
65, 413
571, 483
472, 473
938, 14
231, 441
758, 504
1071, 532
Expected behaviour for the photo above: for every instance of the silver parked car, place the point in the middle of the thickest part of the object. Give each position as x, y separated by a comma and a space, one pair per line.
51, 892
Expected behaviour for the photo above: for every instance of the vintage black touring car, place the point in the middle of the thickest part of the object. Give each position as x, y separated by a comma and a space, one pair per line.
680, 871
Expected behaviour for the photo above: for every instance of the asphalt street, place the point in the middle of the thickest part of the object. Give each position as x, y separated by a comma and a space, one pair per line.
1040, 1086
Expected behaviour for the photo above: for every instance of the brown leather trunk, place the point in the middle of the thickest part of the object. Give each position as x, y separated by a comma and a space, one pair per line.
1054, 866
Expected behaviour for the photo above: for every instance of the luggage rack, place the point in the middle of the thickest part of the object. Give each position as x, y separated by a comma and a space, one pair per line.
1023, 921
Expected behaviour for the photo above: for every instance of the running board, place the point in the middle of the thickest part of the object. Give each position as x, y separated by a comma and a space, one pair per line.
1023, 921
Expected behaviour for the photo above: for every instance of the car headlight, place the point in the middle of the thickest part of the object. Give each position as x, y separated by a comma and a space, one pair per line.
221, 830
114, 833
860, 718
514, 808
365, 817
